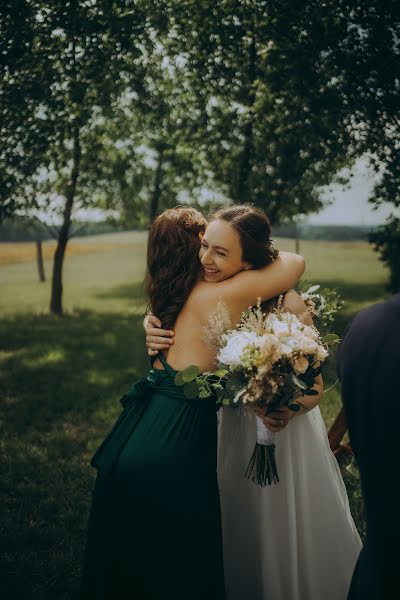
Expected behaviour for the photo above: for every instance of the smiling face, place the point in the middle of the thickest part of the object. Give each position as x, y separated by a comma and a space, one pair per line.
221, 252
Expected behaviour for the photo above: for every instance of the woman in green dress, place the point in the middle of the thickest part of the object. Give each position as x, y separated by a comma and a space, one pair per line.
154, 528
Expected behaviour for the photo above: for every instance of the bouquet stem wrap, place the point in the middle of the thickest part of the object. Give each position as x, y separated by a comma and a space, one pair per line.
262, 466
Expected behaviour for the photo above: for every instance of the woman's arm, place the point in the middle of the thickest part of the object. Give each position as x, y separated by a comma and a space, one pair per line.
244, 289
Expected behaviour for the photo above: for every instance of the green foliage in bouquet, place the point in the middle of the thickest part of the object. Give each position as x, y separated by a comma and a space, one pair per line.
323, 306
204, 385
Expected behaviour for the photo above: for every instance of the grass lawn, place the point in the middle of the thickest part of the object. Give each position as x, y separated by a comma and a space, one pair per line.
61, 380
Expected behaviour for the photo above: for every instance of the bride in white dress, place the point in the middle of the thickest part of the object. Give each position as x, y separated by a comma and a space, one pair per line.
294, 540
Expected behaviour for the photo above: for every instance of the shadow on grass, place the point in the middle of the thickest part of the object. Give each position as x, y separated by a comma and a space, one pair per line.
61, 380
67, 367
359, 292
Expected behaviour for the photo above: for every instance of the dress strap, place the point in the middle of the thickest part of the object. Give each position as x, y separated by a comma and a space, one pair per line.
163, 361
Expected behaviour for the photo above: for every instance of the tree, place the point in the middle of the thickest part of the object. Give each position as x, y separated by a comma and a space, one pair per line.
367, 66
144, 158
85, 55
275, 127
25, 133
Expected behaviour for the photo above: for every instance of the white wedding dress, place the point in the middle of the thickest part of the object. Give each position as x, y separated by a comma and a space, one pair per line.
294, 540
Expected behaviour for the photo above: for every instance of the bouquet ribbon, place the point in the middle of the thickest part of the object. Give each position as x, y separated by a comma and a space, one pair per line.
265, 436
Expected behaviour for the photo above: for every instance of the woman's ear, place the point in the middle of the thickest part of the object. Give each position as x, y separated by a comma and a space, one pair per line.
201, 234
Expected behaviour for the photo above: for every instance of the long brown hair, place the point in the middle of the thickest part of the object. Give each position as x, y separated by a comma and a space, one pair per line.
172, 261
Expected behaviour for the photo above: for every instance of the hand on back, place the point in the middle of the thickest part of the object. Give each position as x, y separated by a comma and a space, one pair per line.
156, 337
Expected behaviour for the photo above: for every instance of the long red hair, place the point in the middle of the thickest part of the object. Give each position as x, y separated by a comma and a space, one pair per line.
172, 261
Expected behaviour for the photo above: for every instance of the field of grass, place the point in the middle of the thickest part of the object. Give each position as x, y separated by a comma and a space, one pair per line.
61, 380
103, 280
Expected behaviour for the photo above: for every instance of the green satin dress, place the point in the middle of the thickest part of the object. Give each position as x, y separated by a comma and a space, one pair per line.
154, 530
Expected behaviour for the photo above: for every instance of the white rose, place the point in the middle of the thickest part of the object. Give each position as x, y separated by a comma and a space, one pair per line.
294, 342
308, 346
310, 332
281, 329
231, 353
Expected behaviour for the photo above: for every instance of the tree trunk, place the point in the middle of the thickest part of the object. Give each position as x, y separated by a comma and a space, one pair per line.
56, 285
244, 170
297, 238
39, 259
155, 197
242, 192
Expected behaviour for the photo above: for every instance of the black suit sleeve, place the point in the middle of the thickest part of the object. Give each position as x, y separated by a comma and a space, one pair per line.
368, 366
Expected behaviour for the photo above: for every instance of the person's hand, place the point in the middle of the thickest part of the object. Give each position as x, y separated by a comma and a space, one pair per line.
276, 420
157, 338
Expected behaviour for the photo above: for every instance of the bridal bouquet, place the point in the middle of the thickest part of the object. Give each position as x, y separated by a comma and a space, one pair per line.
269, 361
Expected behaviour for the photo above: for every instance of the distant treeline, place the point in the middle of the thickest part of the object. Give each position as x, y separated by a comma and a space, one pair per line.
25, 230
323, 232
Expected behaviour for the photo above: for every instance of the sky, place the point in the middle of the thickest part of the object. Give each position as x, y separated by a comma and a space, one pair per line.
350, 206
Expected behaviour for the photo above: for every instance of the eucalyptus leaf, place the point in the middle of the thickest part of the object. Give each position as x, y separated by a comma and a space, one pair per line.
330, 338
190, 373
221, 372
312, 289
178, 379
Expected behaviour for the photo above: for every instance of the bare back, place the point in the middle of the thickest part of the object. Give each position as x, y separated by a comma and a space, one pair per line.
189, 348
